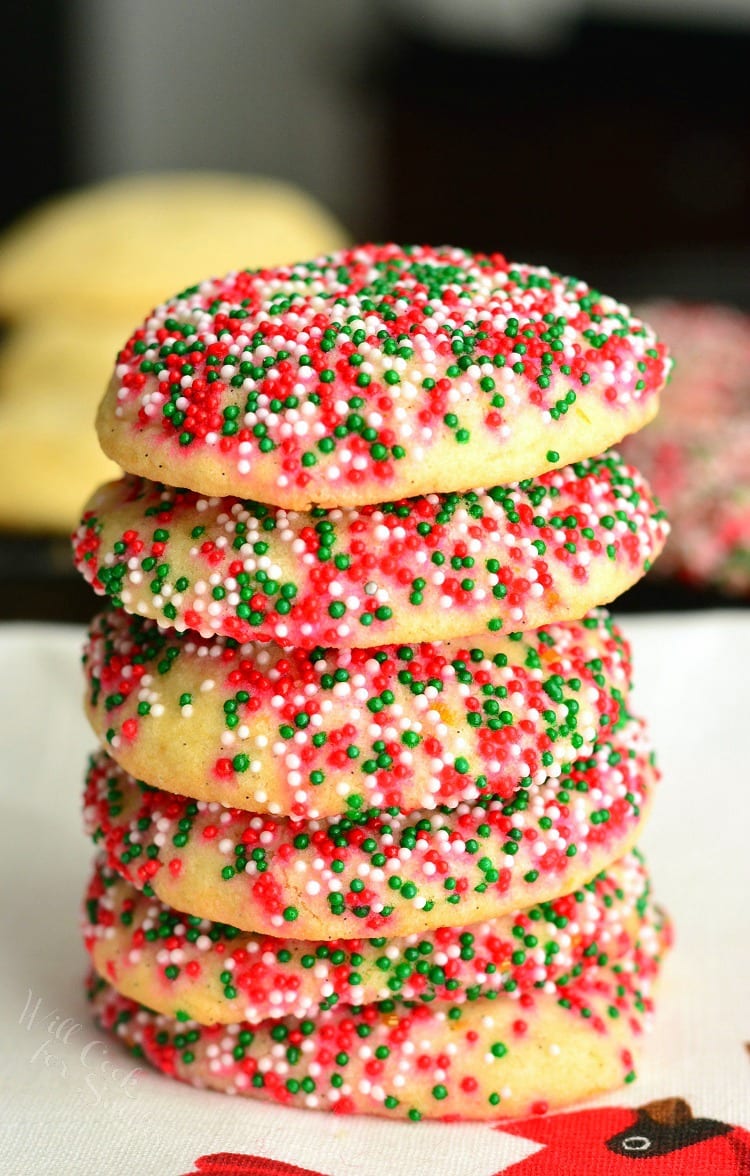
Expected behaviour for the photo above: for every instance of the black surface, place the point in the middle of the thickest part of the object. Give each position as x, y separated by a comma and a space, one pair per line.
626, 148
34, 97
39, 583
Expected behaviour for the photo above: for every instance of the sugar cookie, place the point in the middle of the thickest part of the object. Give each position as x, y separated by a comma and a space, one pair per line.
188, 967
511, 558
316, 733
487, 1059
381, 872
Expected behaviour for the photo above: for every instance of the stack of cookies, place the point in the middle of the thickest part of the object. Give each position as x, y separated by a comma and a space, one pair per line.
369, 783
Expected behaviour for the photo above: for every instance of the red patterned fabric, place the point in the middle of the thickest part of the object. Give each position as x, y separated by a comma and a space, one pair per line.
660, 1139
236, 1164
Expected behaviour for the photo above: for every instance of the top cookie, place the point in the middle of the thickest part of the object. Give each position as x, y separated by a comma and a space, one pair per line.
377, 373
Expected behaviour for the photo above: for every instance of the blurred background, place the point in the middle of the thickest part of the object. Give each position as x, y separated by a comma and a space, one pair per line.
604, 138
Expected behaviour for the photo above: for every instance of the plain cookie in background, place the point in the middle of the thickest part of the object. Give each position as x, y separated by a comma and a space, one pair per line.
49, 459
55, 357
75, 276
121, 246
52, 370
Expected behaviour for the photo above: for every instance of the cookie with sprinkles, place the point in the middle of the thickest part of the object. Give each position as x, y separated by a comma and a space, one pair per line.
422, 569
187, 967
320, 732
486, 1059
698, 451
377, 872
379, 372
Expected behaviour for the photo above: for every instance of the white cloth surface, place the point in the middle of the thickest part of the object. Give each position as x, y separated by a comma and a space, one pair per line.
70, 1102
